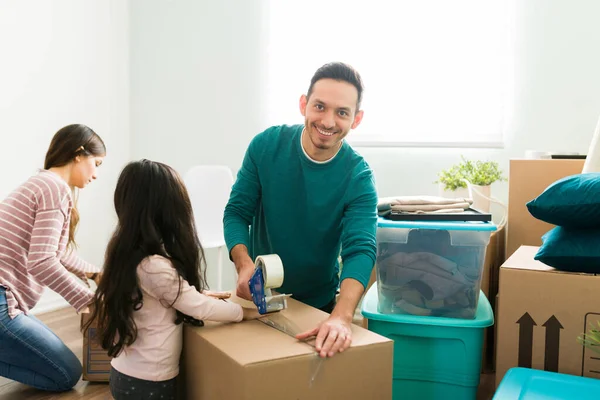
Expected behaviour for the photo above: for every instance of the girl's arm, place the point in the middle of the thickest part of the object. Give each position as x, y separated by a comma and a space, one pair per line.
158, 278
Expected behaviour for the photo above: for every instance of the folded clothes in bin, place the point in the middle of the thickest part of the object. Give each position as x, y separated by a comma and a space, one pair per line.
422, 204
427, 284
434, 277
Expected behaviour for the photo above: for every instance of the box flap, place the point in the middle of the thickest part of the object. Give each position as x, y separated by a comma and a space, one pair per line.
244, 341
523, 259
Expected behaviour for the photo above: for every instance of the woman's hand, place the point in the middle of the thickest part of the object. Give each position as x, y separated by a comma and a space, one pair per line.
95, 276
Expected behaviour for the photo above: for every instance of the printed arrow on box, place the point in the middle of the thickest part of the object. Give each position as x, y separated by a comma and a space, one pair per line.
526, 324
553, 328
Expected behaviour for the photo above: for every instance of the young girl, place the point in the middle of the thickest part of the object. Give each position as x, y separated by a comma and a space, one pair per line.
151, 283
37, 224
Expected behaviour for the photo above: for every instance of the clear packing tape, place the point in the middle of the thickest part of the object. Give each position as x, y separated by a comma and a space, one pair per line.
272, 270
285, 325
272, 275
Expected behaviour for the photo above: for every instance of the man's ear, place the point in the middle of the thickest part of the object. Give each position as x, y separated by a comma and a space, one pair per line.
357, 119
77, 159
303, 102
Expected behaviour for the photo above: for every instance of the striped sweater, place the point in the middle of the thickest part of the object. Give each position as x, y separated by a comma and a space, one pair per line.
34, 233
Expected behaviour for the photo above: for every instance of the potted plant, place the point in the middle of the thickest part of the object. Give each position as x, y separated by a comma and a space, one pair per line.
591, 340
480, 174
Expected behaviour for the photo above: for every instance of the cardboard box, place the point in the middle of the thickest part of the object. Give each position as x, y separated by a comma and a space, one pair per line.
541, 313
494, 258
96, 362
251, 360
527, 180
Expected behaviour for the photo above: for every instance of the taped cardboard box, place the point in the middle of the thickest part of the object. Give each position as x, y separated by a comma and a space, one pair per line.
252, 360
541, 313
527, 180
96, 362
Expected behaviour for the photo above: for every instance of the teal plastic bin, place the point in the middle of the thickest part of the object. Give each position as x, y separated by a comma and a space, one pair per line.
434, 357
431, 268
530, 384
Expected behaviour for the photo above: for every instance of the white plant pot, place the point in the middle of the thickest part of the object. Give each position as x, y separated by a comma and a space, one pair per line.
479, 202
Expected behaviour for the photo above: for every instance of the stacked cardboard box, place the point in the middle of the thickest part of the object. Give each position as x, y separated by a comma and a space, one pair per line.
527, 180
541, 313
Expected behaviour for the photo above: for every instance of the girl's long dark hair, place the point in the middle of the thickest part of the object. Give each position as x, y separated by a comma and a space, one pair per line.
154, 218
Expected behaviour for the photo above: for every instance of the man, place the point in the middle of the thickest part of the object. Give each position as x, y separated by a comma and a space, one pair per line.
305, 193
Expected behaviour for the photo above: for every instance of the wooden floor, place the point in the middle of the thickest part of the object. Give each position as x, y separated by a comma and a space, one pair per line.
65, 323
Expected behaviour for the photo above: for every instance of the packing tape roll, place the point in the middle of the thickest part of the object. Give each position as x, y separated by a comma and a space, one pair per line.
272, 269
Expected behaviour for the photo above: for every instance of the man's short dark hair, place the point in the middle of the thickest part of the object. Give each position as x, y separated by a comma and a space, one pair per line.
340, 72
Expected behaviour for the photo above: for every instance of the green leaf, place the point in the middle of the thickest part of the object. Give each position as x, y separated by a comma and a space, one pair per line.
481, 173
591, 340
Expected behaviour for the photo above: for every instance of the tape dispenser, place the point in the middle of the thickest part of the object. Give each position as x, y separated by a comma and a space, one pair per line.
268, 274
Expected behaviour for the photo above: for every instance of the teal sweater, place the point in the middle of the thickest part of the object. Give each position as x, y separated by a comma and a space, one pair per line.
304, 212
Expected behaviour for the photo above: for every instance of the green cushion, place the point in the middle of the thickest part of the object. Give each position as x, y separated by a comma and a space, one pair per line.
572, 202
574, 250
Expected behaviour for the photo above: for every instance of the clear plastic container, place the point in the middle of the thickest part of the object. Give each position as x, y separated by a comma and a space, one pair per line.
430, 268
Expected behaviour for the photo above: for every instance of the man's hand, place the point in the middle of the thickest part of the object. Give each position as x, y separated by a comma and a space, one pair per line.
333, 335
245, 268
243, 288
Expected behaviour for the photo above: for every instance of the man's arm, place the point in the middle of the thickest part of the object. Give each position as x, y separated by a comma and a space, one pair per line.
359, 249
244, 267
238, 215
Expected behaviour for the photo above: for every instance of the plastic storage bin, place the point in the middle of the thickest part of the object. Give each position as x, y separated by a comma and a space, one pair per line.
531, 384
430, 268
434, 357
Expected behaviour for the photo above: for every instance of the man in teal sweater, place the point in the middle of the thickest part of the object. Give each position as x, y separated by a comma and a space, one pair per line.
305, 193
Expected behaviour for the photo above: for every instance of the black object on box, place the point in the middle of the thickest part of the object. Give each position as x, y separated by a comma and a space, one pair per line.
469, 214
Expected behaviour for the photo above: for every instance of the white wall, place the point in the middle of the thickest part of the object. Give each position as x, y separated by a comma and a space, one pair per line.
196, 80
556, 102
65, 62
196, 83
183, 82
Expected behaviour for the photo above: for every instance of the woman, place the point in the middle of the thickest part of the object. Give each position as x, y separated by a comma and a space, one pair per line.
37, 225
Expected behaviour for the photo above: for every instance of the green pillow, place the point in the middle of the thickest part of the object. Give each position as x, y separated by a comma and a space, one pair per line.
574, 250
572, 202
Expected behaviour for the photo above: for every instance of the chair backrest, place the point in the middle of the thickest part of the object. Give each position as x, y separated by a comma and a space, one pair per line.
209, 187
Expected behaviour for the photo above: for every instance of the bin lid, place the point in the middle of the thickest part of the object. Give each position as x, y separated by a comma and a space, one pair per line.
484, 316
531, 384
444, 225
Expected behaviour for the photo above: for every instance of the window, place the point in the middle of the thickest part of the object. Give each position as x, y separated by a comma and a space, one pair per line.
436, 72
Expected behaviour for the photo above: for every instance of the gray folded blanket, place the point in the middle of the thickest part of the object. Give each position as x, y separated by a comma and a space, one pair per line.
422, 204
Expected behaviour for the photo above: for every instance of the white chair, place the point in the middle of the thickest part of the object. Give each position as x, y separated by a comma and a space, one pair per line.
209, 187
